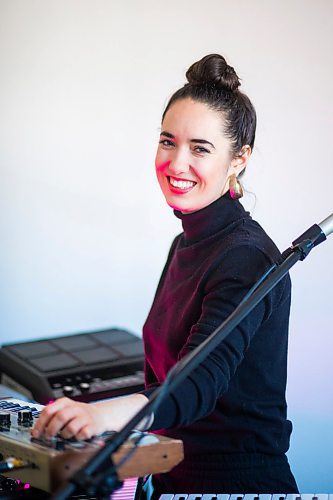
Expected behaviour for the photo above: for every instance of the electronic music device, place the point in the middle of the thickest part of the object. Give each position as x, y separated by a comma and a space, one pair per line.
86, 366
48, 463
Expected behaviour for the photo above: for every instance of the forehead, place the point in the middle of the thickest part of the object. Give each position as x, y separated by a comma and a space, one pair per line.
193, 119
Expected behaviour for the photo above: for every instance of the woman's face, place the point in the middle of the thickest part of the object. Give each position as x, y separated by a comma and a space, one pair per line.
194, 158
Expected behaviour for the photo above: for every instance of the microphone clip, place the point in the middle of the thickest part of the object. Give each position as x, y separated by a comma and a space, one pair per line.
303, 247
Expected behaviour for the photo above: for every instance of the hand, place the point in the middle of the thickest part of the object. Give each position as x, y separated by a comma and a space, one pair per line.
82, 420
70, 419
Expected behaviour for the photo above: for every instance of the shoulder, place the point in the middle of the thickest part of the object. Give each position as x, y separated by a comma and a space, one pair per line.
243, 257
248, 238
174, 246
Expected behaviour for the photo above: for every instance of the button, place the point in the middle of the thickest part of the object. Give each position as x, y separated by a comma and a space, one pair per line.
84, 387
68, 390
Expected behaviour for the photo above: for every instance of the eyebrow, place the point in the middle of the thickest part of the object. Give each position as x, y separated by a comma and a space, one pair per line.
197, 141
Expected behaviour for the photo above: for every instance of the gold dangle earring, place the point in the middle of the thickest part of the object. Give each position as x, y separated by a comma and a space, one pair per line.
235, 188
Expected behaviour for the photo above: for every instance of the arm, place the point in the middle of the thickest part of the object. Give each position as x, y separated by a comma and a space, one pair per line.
197, 395
222, 290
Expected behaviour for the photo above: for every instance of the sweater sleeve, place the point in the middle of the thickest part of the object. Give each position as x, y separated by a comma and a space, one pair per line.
223, 289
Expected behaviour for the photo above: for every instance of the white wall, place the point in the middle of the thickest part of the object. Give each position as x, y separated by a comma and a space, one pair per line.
84, 229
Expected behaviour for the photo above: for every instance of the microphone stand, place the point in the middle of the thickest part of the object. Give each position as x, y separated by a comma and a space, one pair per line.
99, 476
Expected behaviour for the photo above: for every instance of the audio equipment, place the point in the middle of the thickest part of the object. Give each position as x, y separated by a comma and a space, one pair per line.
48, 463
86, 366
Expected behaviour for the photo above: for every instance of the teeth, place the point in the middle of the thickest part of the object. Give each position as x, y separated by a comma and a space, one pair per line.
181, 184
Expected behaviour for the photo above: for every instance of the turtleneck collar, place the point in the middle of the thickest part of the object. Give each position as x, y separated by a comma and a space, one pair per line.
211, 219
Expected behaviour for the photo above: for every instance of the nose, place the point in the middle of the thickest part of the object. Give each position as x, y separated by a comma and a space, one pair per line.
179, 164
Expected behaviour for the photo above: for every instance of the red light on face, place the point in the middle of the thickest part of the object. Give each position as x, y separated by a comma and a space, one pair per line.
26, 486
50, 402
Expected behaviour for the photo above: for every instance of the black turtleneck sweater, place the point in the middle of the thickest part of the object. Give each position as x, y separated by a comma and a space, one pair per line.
234, 402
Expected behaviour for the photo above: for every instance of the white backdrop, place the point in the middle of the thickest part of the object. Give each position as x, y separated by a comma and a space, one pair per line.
84, 229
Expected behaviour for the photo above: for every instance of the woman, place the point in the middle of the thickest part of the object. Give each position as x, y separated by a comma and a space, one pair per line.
231, 412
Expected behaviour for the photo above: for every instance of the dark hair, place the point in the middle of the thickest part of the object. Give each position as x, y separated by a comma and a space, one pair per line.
213, 82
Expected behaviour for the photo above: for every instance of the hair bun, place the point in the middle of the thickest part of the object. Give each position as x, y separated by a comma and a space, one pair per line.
213, 69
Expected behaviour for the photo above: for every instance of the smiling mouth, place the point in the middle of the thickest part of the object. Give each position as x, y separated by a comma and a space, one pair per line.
181, 184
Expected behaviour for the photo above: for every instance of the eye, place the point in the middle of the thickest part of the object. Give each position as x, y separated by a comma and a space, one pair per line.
167, 143
200, 149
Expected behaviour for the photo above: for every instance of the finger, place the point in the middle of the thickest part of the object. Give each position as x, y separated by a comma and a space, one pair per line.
61, 419
86, 432
74, 427
47, 414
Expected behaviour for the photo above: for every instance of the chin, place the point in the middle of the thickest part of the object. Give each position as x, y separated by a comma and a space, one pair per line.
189, 206
184, 208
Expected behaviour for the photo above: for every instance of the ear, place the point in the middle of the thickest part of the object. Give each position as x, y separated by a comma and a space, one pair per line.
239, 162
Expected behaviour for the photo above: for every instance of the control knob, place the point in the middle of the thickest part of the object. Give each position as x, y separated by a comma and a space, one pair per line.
24, 417
68, 390
84, 386
4, 419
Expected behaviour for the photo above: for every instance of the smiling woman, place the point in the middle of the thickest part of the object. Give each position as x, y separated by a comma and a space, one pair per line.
231, 412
